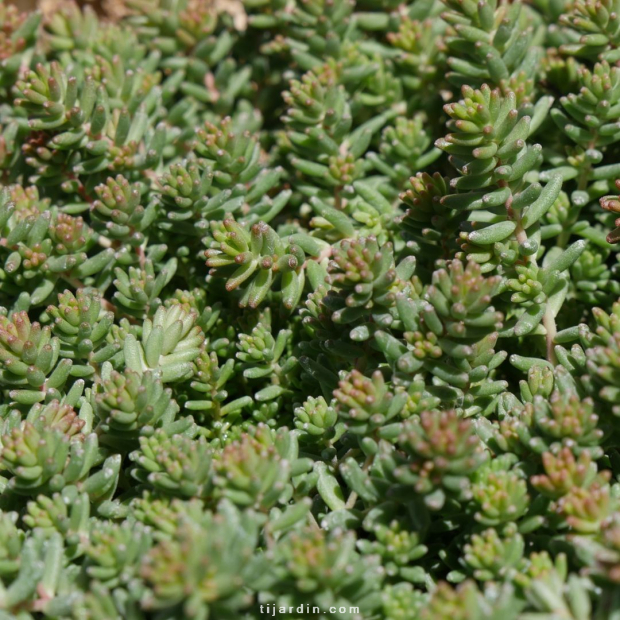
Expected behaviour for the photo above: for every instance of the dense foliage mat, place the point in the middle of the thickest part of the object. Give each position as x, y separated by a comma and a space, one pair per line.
310, 309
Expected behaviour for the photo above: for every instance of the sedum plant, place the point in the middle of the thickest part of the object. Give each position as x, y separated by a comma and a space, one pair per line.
310, 308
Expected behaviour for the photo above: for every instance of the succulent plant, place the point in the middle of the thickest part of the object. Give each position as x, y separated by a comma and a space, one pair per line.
310, 308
